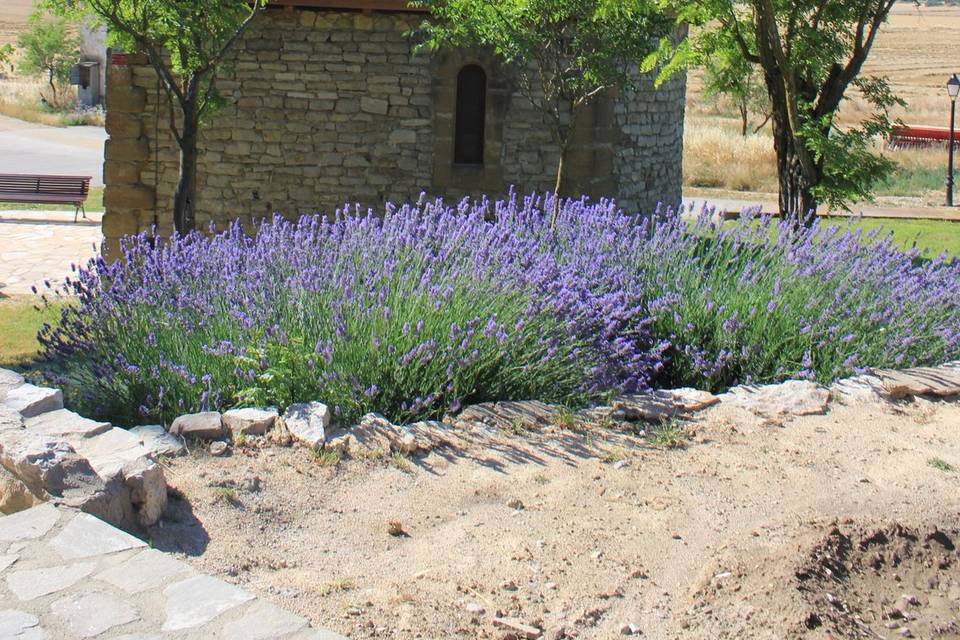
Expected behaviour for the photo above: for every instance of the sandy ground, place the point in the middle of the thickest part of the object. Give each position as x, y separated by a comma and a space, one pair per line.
833, 526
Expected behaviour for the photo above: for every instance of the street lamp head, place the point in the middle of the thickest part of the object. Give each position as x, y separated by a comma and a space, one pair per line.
953, 86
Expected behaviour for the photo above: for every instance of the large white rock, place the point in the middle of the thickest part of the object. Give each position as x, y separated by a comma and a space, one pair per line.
790, 398
308, 422
250, 421
941, 381
29, 400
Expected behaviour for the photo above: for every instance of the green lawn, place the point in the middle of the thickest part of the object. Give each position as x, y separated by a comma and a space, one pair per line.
19, 323
94, 203
932, 237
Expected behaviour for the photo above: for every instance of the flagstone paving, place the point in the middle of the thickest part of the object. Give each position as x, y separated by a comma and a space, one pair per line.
67, 575
41, 245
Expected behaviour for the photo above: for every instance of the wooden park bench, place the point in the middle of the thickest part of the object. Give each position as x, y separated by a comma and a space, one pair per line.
28, 189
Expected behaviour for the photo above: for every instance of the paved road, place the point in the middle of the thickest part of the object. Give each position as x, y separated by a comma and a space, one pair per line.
35, 148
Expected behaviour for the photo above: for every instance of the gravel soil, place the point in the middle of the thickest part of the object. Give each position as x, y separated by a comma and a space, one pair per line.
837, 526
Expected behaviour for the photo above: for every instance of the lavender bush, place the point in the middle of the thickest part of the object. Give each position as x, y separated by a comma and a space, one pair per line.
432, 307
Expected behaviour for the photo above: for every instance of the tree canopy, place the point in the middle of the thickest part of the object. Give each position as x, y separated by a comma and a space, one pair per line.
49, 48
186, 42
810, 53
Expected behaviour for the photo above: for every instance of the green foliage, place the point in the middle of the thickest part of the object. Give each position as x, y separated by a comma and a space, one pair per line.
810, 52
50, 49
940, 465
729, 74
6, 57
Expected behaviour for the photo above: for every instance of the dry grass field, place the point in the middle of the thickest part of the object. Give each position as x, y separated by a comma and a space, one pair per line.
13, 16
915, 50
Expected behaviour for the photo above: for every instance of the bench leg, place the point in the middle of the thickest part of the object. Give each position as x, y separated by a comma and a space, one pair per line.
80, 209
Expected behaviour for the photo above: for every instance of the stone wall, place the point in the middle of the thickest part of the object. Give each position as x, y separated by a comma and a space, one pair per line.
327, 107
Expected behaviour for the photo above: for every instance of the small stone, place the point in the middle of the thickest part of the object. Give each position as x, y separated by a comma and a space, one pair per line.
90, 614
250, 421
158, 442
522, 629
905, 633
621, 464
910, 599
218, 448
509, 585
517, 504
475, 608
308, 423
203, 426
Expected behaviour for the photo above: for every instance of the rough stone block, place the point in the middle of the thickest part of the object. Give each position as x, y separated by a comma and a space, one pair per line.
125, 196
158, 442
9, 380
374, 106
308, 422
66, 425
204, 426
249, 421
30, 400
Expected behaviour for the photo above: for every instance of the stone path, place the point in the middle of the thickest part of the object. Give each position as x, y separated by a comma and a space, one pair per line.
66, 575
41, 245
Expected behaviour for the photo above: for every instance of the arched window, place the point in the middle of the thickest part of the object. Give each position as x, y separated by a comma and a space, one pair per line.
471, 115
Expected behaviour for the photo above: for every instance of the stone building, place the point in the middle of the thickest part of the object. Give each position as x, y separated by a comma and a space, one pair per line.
326, 102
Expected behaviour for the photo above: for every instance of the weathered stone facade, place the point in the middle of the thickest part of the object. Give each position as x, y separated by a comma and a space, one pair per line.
325, 107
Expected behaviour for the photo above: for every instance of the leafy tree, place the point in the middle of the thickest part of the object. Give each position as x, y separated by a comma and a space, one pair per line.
810, 53
564, 52
186, 42
50, 49
728, 74
6, 57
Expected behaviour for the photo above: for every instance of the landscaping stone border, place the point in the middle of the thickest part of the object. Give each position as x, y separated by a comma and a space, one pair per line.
51, 454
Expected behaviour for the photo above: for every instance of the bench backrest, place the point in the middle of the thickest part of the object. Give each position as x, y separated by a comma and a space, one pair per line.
50, 185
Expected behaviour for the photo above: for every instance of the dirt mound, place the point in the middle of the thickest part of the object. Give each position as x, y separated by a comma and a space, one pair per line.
844, 581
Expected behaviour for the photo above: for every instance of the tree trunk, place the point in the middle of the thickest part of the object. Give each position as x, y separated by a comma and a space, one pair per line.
797, 201
744, 118
185, 197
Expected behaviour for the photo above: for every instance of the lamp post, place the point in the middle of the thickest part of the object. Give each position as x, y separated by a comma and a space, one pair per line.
953, 89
